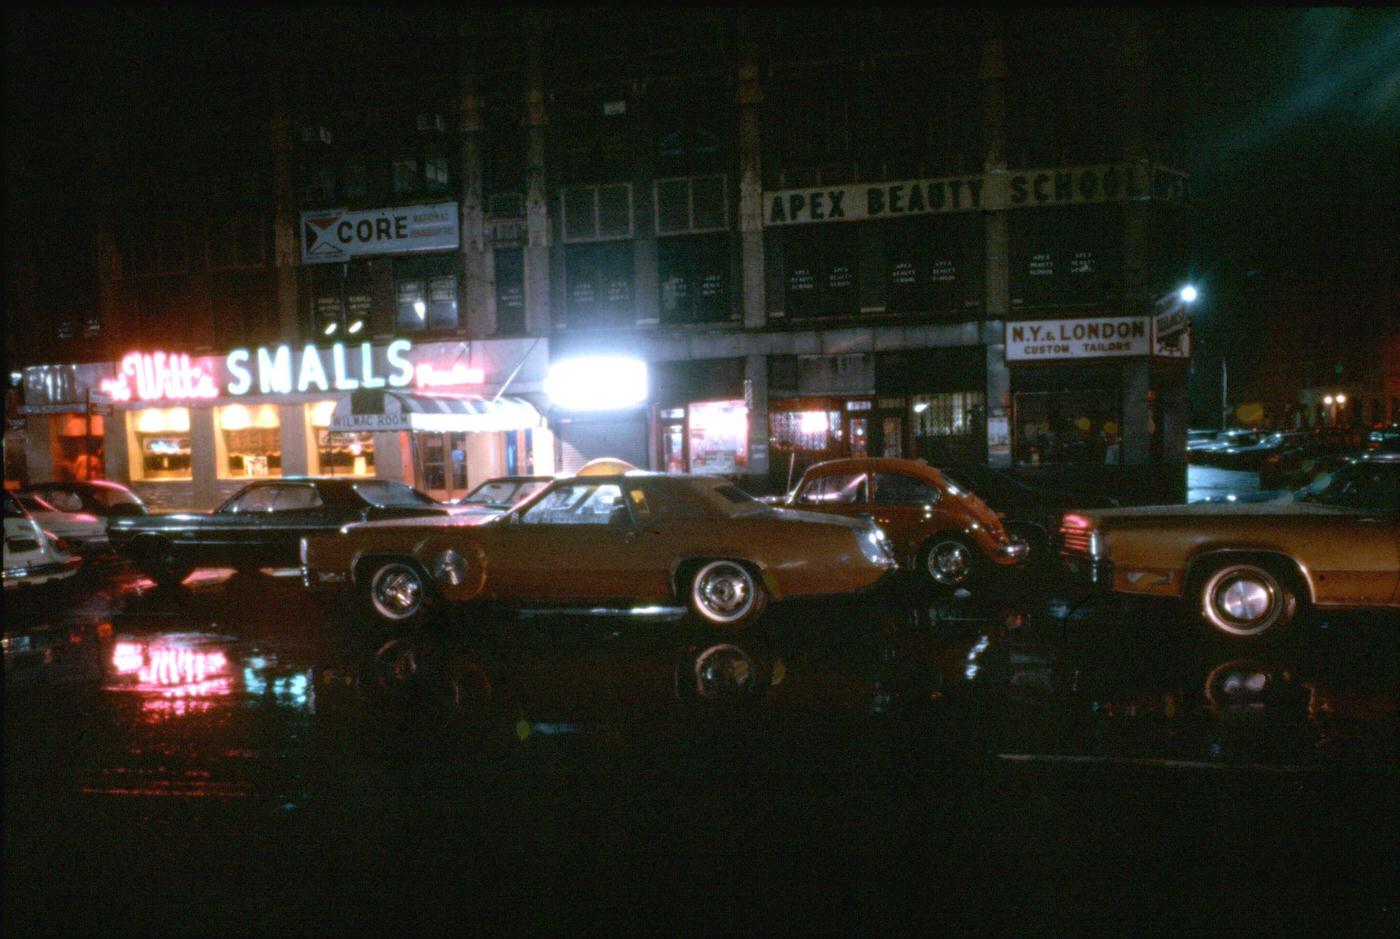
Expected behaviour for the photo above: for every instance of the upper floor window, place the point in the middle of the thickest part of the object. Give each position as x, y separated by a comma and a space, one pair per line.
425, 294
420, 167
597, 213
691, 204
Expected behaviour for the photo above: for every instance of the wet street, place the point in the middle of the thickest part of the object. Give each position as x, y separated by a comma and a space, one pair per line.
233, 758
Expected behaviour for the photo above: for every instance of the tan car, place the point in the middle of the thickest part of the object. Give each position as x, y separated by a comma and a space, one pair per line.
623, 541
1249, 569
936, 528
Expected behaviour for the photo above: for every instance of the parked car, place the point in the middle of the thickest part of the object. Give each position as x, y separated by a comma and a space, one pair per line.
1251, 456
86, 533
96, 497
623, 540
1206, 451
1318, 452
32, 556
259, 526
1249, 569
1031, 513
938, 528
496, 495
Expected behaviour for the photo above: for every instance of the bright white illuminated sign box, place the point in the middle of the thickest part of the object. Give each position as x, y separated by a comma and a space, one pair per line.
597, 383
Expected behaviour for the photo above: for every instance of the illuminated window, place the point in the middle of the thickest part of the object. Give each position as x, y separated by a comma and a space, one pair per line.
251, 437
162, 438
340, 454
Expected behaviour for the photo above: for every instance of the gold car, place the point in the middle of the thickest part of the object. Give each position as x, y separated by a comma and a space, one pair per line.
1249, 569
624, 540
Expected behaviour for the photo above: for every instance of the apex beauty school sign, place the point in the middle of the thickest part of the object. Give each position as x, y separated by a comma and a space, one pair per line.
1109, 182
335, 235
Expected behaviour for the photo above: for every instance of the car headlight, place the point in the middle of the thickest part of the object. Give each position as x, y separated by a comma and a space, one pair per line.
875, 546
449, 567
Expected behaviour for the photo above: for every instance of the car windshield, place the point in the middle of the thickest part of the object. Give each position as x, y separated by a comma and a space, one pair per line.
502, 492
381, 493
1365, 485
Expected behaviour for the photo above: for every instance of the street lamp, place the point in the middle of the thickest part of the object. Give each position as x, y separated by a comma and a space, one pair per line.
1189, 293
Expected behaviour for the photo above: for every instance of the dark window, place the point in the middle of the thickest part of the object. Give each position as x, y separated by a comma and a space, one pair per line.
821, 270
237, 241
582, 504
342, 301
594, 213
384, 493
425, 294
693, 276
1066, 255
510, 291
898, 489
933, 264
834, 489
598, 284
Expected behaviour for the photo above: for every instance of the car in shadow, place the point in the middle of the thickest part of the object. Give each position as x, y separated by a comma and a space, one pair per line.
95, 497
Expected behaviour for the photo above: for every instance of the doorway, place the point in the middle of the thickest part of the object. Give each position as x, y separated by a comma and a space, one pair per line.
442, 464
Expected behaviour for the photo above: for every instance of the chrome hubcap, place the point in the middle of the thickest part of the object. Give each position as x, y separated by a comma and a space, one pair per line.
724, 592
397, 591
1245, 599
949, 562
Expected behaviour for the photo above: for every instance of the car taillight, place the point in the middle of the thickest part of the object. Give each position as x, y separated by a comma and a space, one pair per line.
1077, 535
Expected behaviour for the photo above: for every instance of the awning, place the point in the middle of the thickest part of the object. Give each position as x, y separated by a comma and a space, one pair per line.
380, 409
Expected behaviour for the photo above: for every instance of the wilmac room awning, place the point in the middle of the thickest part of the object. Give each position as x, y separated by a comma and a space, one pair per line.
380, 409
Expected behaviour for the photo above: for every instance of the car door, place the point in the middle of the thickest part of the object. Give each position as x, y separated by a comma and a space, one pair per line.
579, 542
906, 507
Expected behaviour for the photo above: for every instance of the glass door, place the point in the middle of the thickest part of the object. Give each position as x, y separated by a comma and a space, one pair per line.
443, 465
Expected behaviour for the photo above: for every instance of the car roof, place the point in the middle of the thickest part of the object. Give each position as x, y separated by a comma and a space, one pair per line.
887, 464
76, 484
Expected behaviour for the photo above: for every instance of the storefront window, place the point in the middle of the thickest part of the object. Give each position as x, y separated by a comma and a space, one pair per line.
1068, 427
719, 438
162, 438
340, 453
251, 441
78, 452
805, 430
950, 426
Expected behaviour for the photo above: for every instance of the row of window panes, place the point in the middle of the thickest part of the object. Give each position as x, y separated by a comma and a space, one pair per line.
422, 169
251, 443
683, 205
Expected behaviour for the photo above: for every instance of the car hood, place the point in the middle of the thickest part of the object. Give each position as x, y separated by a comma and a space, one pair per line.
819, 518
1216, 510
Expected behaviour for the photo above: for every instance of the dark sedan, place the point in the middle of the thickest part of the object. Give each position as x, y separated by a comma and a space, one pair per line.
262, 524
98, 497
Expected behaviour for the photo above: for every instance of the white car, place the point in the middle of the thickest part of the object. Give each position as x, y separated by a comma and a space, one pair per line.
86, 533
32, 556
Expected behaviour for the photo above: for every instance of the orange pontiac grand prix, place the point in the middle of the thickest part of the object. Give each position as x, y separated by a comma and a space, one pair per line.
1249, 569
624, 539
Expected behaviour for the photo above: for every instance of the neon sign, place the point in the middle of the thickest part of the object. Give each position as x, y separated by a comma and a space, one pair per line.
458, 374
157, 375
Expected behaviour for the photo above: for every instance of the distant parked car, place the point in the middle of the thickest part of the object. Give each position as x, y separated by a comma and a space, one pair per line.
1252, 456
622, 540
261, 524
1318, 452
496, 495
86, 533
1249, 569
938, 528
97, 497
1205, 451
32, 556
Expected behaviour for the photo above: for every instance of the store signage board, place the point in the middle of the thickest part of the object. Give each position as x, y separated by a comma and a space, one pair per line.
332, 236
1090, 338
1138, 181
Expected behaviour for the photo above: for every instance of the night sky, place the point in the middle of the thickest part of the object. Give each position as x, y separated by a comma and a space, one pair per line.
1292, 124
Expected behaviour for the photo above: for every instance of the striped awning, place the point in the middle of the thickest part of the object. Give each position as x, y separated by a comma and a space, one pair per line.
384, 409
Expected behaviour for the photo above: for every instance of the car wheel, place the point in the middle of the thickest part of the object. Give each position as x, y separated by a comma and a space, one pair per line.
950, 560
397, 592
162, 564
727, 594
1246, 600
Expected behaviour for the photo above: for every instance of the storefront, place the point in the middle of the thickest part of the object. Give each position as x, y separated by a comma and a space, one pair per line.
701, 417
185, 432
1099, 402
61, 426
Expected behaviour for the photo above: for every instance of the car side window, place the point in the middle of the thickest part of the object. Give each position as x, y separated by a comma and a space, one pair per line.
62, 500
834, 489
296, 499
583, 504
257, 499
898, 489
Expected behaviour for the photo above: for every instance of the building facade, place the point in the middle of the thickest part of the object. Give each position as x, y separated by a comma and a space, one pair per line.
929, 235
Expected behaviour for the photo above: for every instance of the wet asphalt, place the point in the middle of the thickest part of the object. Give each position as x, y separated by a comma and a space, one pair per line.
242, 757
